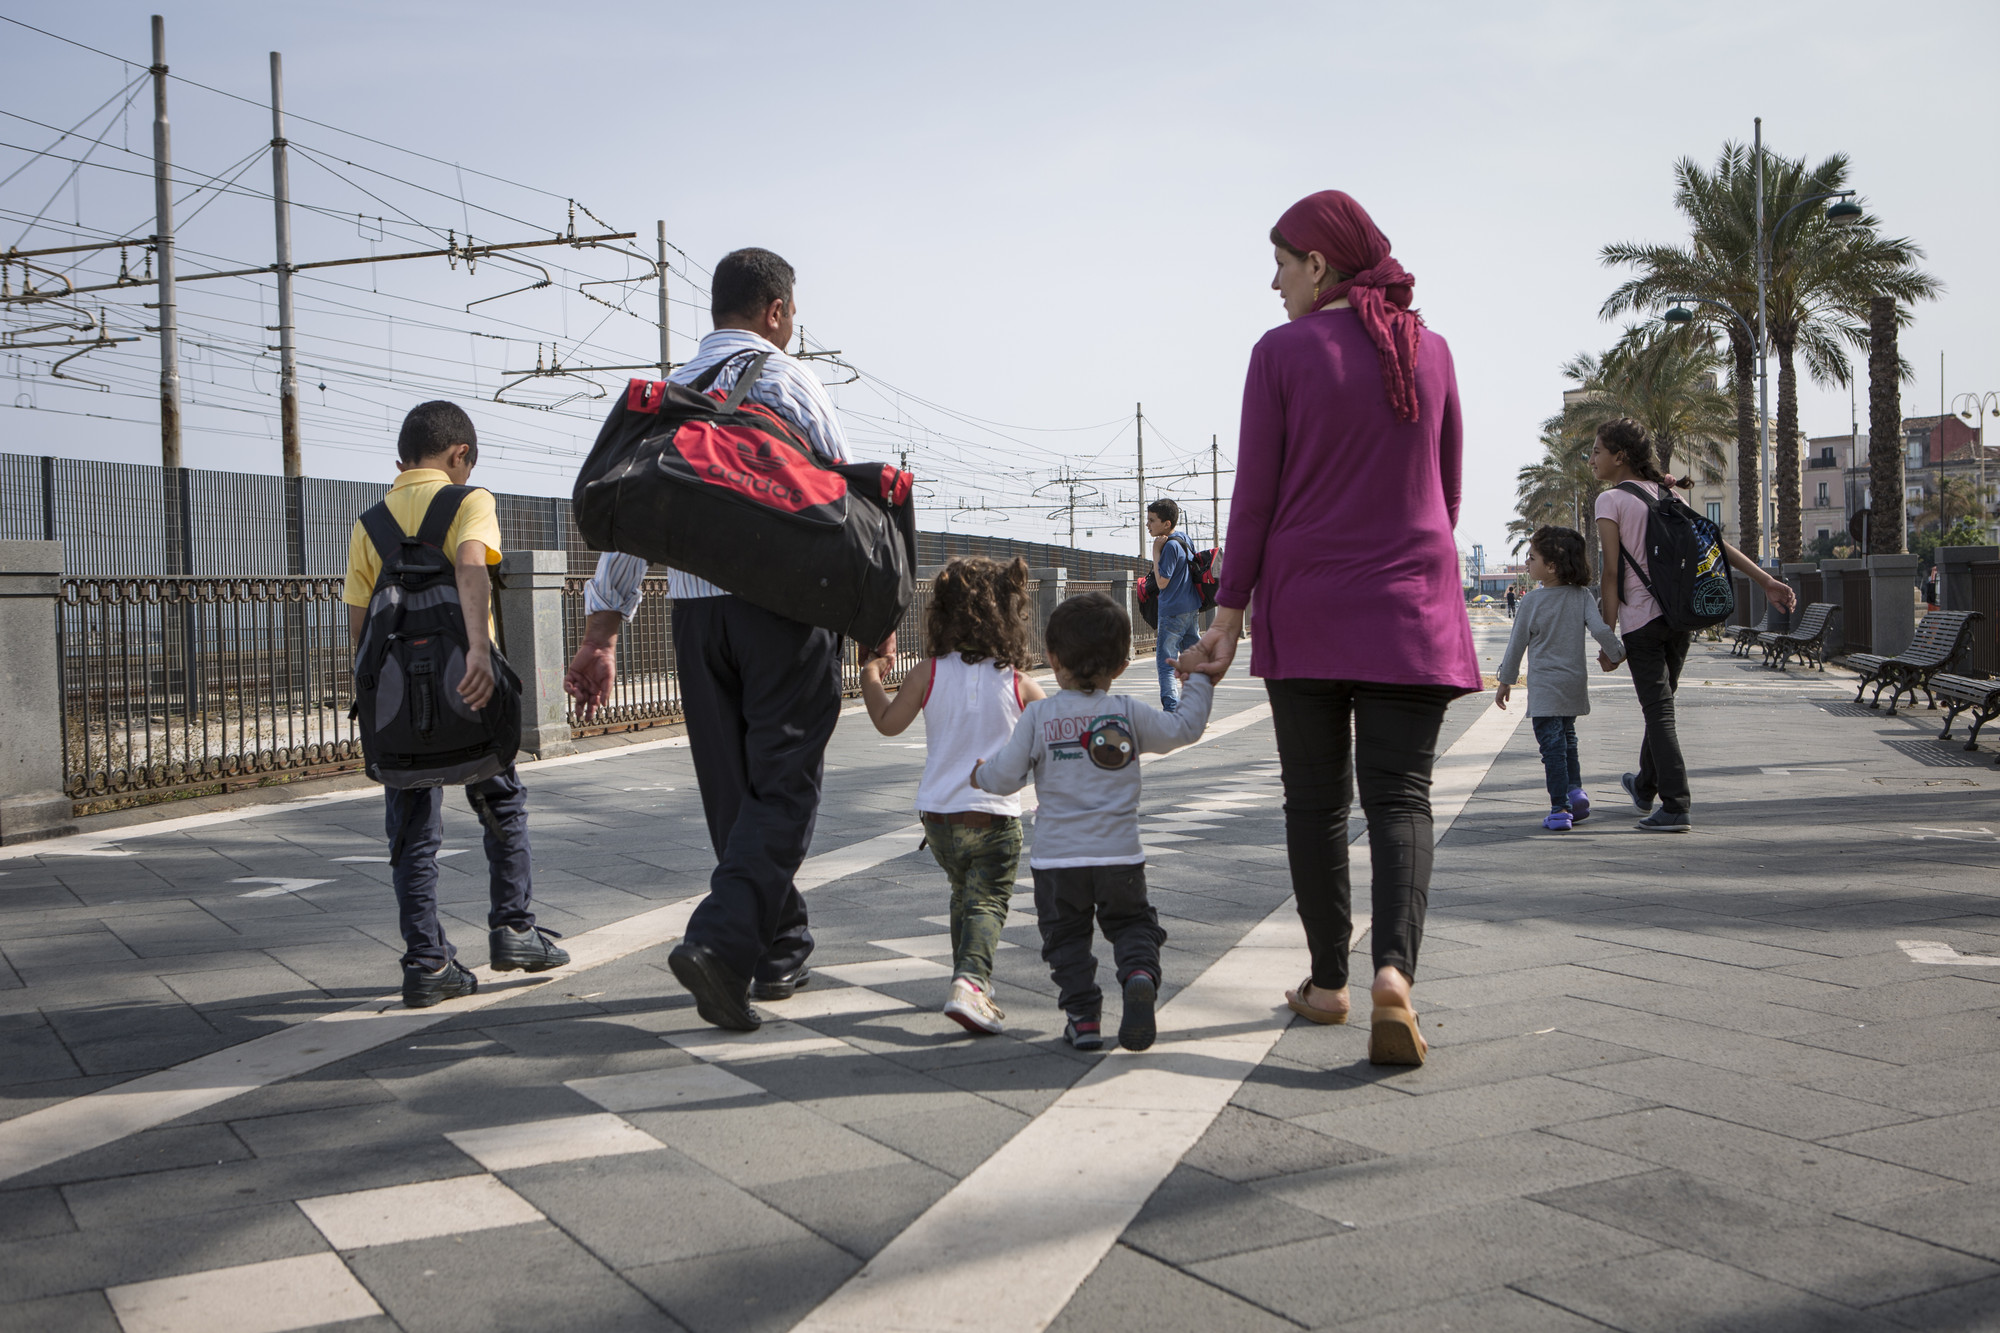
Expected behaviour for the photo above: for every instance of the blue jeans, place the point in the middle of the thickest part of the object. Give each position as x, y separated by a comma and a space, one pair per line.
1557, 737
1177, 635
415, 819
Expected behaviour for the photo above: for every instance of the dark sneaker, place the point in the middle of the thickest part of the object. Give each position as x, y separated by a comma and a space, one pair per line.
423, 989
1558, 821
1135, 1026
1083, 1033
1630, 782
1664, 820
530, 950
720, 996
1579, 806
781, 988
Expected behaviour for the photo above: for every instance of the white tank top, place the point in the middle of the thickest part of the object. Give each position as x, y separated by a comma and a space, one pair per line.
969, 712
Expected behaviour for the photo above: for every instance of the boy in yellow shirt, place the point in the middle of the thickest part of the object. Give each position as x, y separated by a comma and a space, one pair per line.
438, 447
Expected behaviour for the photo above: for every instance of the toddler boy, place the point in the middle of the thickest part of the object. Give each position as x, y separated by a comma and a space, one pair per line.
1082, 746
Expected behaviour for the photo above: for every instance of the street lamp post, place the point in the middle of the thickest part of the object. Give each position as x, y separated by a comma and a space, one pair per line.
1678, 313
1979, 406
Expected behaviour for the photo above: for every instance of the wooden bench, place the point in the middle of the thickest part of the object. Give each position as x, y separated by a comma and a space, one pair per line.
1805, 643
1942, 638
1962, 694
1748, 636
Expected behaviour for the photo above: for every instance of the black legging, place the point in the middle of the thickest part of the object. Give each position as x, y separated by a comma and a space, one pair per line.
1394, 733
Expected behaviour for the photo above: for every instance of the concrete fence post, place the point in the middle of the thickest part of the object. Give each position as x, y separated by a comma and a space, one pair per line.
1892, 600
1955, 574
1834, 576
33, 803
531, 635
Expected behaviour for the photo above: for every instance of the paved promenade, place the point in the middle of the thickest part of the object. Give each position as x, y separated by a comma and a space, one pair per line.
1743, 1079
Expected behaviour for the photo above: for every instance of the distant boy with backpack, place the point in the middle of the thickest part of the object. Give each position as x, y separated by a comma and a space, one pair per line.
1081, 747
1178, 597
423, 549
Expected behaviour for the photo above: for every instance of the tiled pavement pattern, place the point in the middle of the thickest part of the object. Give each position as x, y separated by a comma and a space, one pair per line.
1687, 1083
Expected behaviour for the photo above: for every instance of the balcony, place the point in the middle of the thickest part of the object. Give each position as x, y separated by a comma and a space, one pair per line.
1822, 462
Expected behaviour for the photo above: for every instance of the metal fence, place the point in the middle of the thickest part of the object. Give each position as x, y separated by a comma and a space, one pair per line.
172, 684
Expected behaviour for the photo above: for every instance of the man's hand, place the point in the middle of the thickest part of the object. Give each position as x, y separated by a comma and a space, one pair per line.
874, 669
594, 669
1501, 693
1779, 593
476, 685
884, 651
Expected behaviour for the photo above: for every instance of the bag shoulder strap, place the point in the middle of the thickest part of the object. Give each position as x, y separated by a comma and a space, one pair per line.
439, 517
703, 382
383, 530
746, 382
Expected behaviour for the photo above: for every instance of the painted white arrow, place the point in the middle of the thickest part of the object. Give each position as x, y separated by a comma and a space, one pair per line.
1937, 951
383, 860
278, 886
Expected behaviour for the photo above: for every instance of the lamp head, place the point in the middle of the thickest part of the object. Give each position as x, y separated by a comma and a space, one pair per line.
1679, 314
1844, 213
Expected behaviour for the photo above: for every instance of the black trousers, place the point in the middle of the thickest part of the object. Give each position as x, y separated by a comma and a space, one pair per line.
1067, 902
1331, 734
1655, 655
762, 695
415, 824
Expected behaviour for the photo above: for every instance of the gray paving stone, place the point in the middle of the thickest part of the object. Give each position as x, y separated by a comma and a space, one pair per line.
1968, 1307
1476, 1064
525, 1279
1433, 1120
1672, 1291
34, 1055
1916, 998
647, 1208
1242, 1146
26, 1213
1130, 1292
1028, 1082
1413, 1262
84, 1312
763, 1144
1194, 1216
1716, 1008
1778, 1058
747, 1291
1495, 1310
848, 1085
1942, 1087
110, 1256
1782, 1108
1843, 1261
257, 983
1971, 1033
155, 1150
1960, 1147
1755, 1159
1288, 1090
1445, 1179
954, 1143
860, 1211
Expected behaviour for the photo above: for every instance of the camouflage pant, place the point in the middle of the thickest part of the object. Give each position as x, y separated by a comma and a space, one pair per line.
981, 863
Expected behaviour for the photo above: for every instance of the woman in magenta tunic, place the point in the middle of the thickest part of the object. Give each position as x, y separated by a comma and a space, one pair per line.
1340, 533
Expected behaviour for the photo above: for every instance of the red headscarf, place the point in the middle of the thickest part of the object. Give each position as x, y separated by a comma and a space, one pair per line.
1379, 290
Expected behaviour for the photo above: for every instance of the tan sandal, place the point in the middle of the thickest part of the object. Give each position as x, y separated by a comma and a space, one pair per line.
1393, 1038
1295, 1000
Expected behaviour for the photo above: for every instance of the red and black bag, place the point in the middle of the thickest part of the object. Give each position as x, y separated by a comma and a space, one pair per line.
731, 492
1201, 568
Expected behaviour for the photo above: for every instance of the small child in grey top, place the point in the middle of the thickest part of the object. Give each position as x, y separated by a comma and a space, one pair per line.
1548, 628
1081, 747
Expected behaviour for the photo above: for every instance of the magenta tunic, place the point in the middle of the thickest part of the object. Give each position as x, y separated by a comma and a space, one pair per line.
1341, 520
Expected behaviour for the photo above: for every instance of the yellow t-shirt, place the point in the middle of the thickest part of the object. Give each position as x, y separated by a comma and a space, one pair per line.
477, 521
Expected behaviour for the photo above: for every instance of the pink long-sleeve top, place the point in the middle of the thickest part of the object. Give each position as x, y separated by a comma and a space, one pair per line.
1340, 527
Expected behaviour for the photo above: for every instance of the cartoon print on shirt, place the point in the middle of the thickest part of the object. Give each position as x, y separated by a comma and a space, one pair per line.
1111, 742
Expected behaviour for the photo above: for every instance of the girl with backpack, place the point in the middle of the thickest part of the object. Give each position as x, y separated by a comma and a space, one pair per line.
970, 688
1622, 457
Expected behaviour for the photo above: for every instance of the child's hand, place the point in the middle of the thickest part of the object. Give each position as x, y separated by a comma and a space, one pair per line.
874, 669
1501, 693
973, 779
1604, 661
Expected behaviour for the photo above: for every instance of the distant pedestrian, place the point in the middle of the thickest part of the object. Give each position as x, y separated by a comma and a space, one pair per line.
1510, 601
1081, 747
1347, 490
438, 448
1623, 455
970, 689
1931, 589
1179, 600
1554, 618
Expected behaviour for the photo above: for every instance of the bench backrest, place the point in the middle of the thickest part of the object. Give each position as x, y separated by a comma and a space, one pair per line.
1940, 637
1813, 623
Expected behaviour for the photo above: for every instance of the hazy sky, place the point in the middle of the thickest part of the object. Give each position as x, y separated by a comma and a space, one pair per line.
1029, 214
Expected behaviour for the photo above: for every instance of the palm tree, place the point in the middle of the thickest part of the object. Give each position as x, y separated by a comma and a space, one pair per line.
1557, 490
1954, 498
1665, 379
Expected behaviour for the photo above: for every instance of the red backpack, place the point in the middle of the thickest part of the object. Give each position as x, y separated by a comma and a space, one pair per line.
731, 492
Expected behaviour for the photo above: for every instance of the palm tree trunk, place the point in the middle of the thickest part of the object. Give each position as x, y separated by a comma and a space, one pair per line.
1785, 451
1885, 430
1749, 523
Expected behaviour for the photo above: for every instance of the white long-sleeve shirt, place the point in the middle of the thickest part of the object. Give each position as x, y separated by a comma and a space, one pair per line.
788, 388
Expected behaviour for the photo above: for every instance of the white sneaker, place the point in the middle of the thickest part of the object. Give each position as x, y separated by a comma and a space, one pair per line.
972, 1008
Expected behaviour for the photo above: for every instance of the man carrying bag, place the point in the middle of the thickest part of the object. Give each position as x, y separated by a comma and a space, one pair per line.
761, 691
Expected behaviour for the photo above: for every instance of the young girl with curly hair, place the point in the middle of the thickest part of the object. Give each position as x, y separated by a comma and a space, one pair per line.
970, 688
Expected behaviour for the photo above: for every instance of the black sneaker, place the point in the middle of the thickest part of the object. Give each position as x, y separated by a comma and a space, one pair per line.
781, 988
1664, 820
422, 989
530, 950
720, 996
1136, 1028
1630, 782
1085, 1034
